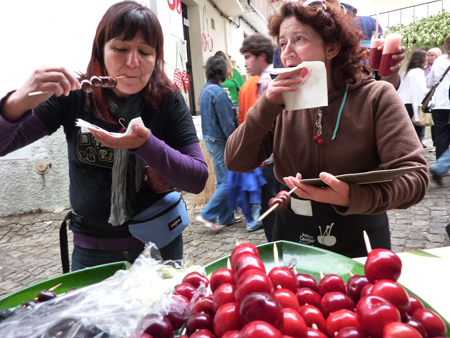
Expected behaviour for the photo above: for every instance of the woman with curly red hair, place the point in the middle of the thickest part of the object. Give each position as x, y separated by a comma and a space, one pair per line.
108, 190
365, 127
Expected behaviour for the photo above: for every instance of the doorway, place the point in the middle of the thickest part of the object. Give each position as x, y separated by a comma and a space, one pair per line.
191, 92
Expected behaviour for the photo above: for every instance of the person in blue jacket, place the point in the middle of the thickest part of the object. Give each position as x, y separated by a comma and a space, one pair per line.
219, 121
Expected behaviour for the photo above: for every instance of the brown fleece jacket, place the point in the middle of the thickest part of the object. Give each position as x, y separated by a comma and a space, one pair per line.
374, 133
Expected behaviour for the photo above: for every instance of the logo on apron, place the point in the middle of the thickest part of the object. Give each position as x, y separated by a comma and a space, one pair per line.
325, 238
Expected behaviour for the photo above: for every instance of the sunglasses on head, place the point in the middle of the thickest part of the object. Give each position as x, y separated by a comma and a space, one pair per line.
322, 4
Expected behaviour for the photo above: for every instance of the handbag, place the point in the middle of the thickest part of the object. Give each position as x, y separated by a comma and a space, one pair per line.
425, 120
426, 101
162, 222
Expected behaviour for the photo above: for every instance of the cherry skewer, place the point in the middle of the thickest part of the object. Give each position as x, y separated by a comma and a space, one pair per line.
45, 91
273, 207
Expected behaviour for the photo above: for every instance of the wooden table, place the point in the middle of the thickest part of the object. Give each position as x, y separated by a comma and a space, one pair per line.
427, 273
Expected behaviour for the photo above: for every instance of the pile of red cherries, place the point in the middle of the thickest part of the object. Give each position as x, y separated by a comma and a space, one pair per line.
98, 81
247, 302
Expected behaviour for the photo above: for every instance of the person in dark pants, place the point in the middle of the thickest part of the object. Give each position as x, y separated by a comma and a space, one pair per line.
441, 108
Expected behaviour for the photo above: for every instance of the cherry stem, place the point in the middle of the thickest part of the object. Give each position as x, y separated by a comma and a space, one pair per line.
350, 273
275, 255
367, 242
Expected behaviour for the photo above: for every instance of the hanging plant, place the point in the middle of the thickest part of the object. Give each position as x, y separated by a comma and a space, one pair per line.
427, 32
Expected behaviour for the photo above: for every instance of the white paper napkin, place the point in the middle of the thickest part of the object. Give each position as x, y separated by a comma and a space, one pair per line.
85, 125
312, 92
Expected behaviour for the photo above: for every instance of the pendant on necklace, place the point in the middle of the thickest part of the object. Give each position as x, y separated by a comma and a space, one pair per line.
317, 138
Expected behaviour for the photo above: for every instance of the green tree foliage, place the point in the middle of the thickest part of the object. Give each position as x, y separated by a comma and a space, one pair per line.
427, 32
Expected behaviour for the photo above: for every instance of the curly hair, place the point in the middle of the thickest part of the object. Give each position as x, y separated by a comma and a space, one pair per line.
127, 18
257, 44
333, 26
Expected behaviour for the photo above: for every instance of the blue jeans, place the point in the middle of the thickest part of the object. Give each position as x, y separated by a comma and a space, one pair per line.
441, 130
83, 258
256, 212
218, 204
442, 164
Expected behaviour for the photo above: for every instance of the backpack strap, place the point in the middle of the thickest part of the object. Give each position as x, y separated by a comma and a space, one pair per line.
64, 243
204, 90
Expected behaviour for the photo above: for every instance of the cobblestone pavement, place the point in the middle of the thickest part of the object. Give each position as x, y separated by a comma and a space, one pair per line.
29, 244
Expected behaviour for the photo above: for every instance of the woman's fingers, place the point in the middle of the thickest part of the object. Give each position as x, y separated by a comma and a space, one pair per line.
335, 192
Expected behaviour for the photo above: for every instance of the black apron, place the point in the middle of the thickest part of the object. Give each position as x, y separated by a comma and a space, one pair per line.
329, 230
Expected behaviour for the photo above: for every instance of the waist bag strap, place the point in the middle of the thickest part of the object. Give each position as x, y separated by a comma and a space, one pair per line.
64, 243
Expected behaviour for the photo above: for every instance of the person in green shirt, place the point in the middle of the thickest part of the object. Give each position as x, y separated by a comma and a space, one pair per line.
234, 80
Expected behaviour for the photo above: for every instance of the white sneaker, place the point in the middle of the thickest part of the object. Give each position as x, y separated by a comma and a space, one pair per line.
208, 224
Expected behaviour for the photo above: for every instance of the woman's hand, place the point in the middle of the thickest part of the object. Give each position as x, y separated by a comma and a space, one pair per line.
48, 80
138, 137
337, 192
282, 83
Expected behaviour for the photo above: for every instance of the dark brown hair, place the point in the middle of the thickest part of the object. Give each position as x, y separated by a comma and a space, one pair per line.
417, 60
333, 26
257, 44
128, 18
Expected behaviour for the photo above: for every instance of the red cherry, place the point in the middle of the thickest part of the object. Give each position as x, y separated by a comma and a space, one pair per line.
247, 261
433, 324
286, 298
374, 313
243, 248
366, 290
382, 264
393, 293
319, 141
186, 290
355, 285
312, 315
331, 283
227, 319
157, 326
255, 283
335, 301
293, 324
178, 311
400, 330
341, 319
307, 281
232, 334
260, 329
221, 276
351, 332
204, 304
195, 279
415, 304
282, 276
308, 296
313, 333
249, 273
414, 323
261, 306
203, 333
225, 293
315, 138
199, 321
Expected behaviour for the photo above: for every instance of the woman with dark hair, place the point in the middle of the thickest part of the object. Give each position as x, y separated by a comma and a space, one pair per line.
233, 81
219, 121
107, 173
364, 127
413, 88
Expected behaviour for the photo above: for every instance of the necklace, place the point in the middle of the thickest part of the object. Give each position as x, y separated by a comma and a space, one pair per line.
316, 137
